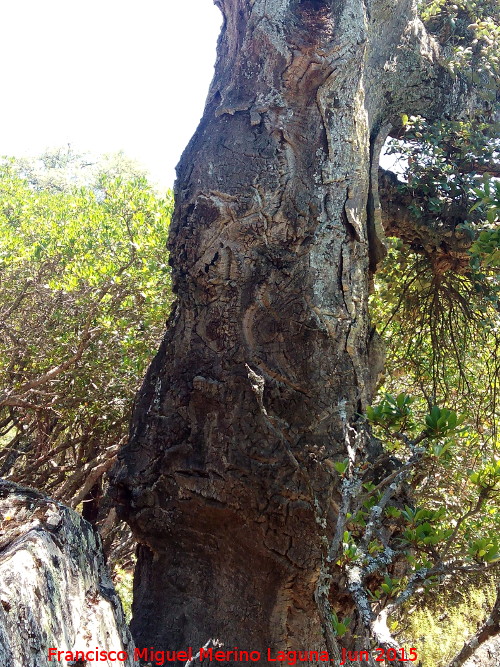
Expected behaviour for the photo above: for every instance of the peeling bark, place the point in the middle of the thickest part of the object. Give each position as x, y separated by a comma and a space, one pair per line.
55, 591
227, 479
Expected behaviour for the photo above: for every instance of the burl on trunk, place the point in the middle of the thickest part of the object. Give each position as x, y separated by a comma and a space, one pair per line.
227, 479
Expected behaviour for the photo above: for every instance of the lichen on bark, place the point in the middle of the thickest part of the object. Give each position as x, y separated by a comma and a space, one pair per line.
55, 591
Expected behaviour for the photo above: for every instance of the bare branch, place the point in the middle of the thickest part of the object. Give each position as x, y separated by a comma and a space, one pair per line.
90, 474
17, 302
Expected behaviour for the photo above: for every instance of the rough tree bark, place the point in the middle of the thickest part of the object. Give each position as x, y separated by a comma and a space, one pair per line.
55, 590
227, 479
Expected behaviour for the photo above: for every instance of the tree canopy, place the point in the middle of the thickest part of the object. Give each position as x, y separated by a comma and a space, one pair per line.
85, 291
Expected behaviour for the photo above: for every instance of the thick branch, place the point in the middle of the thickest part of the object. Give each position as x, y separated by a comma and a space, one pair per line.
436, 236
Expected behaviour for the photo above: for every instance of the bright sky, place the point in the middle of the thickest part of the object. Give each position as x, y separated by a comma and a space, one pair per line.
106, 75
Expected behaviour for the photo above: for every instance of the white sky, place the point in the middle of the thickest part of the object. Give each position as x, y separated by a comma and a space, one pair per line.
106, 75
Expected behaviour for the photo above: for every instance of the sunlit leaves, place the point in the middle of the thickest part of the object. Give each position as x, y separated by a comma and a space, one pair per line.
485, 549
391, 411
340, 625
488, 476
81, 268
441, 422
456, 517
470, 32
341, 466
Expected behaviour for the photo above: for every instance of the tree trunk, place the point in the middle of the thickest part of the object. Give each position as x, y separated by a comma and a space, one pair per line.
228, 480
55, 591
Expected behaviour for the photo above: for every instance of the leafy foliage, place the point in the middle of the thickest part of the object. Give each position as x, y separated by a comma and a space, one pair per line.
340, 626
439, 300
436, 304
453, 512
85, 290
469, 29
411, 521
63, 169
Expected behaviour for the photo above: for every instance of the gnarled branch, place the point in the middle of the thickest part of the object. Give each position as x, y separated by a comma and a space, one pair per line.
435, 236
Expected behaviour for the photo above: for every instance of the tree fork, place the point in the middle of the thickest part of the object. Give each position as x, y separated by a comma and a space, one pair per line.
227, 478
